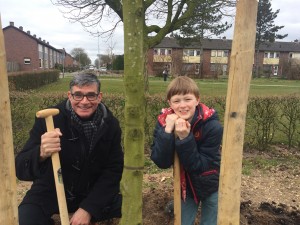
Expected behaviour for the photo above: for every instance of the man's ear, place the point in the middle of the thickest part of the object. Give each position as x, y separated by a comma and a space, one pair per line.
100, 97
69, 95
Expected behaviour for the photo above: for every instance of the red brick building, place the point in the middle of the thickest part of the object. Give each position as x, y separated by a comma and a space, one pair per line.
26, 52
211, 58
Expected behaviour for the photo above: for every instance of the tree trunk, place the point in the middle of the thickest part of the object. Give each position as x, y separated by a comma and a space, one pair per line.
134, 60
235, 114
8, 199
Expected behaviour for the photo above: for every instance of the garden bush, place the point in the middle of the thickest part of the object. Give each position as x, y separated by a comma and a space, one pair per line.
31, 79
270, 120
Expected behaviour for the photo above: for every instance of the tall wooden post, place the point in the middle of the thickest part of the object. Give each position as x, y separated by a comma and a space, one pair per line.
241, 62
8, 199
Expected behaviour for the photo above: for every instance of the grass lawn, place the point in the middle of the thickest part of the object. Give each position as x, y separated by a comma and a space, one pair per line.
259, 87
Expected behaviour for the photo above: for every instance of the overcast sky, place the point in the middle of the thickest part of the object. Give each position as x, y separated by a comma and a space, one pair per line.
45, 20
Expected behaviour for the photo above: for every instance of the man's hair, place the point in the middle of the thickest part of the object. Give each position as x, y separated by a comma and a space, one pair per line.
182, 85
85, 79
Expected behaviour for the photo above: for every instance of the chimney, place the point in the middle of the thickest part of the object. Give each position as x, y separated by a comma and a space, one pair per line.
224, 38
34, 35
28, 32
11, 24
20, 27
44, 41
47, 42
296, 40
40, 38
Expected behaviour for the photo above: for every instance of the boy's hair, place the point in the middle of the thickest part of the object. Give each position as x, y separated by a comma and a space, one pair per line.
85, 79
182, 85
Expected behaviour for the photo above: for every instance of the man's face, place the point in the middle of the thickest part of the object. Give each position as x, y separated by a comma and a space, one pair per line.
184, 106
85, 108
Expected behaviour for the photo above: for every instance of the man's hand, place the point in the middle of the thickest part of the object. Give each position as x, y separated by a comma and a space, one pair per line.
50, 143
170, 122
182, 128
80, 217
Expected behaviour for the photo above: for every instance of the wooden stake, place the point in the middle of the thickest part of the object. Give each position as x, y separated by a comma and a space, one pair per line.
241, 63
177, 191
8, 199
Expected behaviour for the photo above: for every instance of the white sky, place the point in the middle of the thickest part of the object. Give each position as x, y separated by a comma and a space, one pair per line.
46, 21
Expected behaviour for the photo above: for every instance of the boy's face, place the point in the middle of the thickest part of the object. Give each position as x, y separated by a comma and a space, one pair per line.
184, 106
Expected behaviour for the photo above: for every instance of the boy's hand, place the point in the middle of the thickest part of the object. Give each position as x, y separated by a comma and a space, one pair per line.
182, 128
170, 123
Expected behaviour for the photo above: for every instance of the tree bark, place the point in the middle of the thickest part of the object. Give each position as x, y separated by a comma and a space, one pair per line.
8, 199
235, 113
134, 60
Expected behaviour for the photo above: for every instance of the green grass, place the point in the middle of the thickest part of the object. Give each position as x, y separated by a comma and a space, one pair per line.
258, 87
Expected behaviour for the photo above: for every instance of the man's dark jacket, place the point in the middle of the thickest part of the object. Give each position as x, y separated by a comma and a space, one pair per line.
91, 180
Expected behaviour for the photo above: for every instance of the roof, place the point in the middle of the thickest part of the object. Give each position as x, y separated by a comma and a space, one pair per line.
225, 44
20, 29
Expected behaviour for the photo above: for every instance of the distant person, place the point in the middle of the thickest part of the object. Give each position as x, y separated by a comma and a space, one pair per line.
165, 73
88, 139
197, 143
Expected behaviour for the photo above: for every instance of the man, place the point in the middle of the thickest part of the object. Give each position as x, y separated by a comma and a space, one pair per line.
88, 139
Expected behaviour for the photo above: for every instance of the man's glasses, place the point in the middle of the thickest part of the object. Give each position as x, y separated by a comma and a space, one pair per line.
79, 96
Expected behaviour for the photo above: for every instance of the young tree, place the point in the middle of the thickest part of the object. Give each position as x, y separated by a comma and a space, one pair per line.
137, 17
81, 56
266, 30
118, 63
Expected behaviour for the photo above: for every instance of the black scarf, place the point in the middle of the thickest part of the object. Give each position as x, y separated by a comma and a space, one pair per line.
87, 127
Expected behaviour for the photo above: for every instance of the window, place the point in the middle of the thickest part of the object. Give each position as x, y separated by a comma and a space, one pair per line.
213, 53
198, 52
191, 52
162, 51
169, 51
219, 53
226, 53
213, 67
155, 52
266, 55
271, 55
27, 61
185, 52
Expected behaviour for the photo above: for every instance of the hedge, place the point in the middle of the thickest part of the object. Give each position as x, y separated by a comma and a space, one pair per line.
269, 120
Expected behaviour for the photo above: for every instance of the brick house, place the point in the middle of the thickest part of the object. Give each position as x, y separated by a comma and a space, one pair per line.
26, 52
212, 57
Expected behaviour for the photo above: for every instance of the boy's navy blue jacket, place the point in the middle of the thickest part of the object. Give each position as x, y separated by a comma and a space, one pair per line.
91, 180
199, 153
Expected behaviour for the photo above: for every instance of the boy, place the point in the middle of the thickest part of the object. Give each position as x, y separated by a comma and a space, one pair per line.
197, 143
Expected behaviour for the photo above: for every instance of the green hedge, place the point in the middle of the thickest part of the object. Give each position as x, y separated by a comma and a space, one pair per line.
31, 79
270, 120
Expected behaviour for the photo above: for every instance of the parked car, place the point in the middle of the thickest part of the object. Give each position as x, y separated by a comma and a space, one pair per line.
103, 69
91, 68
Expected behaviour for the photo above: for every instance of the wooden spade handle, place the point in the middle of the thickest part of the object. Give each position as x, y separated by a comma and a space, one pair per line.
59, 185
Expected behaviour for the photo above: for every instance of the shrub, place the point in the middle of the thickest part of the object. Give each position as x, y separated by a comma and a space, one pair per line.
30, 80
270, 120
